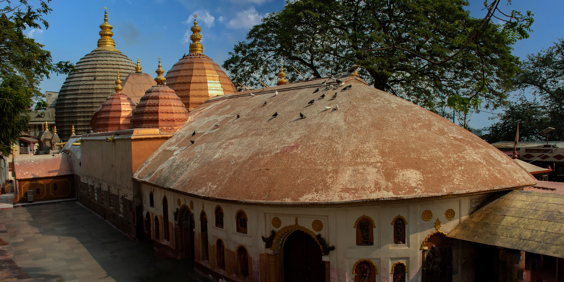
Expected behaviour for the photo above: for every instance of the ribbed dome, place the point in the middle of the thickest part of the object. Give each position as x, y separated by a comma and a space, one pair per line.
196, 77
89, 85
159, 108
115, 113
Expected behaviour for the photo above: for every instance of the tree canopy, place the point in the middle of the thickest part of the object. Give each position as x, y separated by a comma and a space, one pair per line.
23, 65
425, 51
543, 77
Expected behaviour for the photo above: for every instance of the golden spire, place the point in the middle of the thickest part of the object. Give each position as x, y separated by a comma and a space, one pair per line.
282, 74
46, 126
196, 47
118, 87
138, 68
106, 43
72, 130
42, 127
55, 130
160, 79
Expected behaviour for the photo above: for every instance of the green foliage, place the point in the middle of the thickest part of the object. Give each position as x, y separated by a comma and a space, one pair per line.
40, 105
424, 51
23, 61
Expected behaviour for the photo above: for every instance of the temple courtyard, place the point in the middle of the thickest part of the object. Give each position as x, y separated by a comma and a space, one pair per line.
67, 242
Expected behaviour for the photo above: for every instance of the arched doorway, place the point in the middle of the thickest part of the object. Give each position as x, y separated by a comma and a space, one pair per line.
186, 226
302, 258
437, 258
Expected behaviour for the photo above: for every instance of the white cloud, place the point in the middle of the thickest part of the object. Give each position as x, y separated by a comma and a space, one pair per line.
246, 19
34, 32
204, 19
220, 19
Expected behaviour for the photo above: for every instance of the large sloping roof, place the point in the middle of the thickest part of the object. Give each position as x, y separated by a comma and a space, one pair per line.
375, 146
42, 166
520, 220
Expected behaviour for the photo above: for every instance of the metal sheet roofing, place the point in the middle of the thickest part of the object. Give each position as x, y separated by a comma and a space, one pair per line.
520, 220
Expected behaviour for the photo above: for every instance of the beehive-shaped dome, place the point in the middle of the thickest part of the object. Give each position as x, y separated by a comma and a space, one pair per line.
115, 113
159, 108
86, 88
196, 77
136, 83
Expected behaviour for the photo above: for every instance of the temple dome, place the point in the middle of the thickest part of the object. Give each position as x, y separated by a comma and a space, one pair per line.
363, 145
196, 77
115, 113
86, 88
136, 83
159, 108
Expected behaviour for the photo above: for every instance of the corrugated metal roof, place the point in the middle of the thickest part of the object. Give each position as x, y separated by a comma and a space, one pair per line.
520, 220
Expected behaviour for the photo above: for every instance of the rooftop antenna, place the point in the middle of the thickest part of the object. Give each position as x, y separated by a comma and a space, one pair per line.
299, 72
244, 87
516, 141
263, 84
545, 133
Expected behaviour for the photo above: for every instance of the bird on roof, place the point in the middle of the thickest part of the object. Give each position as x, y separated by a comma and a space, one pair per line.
252, 95
275, 114
322, 96
316, 90
327, 108
194, 133
302, 116
264, 103
238, 116
329, 87
347, 87
276, 93
191, 141
338, 81
334, 96
336, 107
311, 102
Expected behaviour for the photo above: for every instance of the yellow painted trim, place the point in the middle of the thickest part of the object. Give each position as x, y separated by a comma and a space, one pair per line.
364, 217
362, 260
429, 236
398, 262
56, 181
237, 213
399, 216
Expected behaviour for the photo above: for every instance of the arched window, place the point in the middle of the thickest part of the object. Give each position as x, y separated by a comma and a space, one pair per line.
220, 254
157, 228
165, 219
37, 191
219, 217
399, 270
241, 222
151, 201
204, 230
243, 261
399, 231
364, 231
365, 271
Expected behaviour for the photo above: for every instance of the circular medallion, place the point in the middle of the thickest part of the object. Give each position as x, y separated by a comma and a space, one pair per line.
449, 214
276, 222
191, 205
427, 215
178, 202
317, 225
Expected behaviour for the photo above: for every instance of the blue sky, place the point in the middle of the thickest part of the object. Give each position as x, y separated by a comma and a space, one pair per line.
148, 29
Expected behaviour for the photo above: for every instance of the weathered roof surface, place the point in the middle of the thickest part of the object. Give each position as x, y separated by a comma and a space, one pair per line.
41, 166
531, 168
526, 144
375, 146
547, 187
520, 220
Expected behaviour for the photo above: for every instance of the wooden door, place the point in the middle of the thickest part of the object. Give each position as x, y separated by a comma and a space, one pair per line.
302, 259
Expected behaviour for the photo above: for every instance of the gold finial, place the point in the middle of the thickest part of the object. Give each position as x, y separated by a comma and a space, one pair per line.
196, 46
281, 74
138, 68
46, 126
118, 87
55, 130
106, 43
72, 130
160, 79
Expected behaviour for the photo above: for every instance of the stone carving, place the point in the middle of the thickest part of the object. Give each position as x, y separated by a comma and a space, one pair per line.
449, 214
427, 215
438, 224
325, 248
268, 241
317, 225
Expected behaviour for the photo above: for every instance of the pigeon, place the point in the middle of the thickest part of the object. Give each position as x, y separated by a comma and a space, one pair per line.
302, 116
338, 81
275, 114
194, 133
322, 96
348, 87
276, 93
327, 108
191, 141
311, 102
264, 103
238, 116
252, 95
336, 107
316, 90
216, 125
334, 96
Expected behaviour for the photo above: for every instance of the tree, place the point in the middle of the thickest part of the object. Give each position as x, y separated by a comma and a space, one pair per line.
23, 65
425, 51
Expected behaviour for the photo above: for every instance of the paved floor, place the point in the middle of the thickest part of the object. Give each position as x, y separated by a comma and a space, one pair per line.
67, 242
